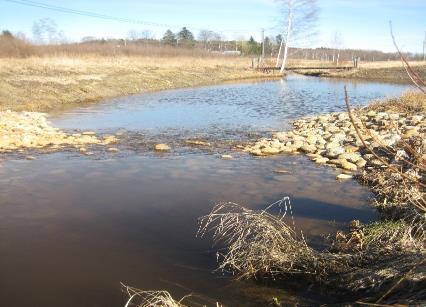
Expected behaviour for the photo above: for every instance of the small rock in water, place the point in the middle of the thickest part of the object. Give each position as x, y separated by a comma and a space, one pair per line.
270, 150
376, 162
162, 147
337, 162
256, 152
351, 149
343, 177
334, 152
410, 132
197, 142
113, 149
371, 114
108, 139
282, 136
351, 157
321, 160
89, 133
349, 166
30, 157
361, 163
226, 157
281, 171
308, 148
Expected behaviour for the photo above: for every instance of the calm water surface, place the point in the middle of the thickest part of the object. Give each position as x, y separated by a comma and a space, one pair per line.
73, 227
250, 106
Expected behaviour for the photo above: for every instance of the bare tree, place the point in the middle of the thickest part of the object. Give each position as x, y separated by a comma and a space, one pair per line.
217, 39
147, 34
133, 35
88, 39
144, 34
206, 36
336, 43
45, 31
299, 18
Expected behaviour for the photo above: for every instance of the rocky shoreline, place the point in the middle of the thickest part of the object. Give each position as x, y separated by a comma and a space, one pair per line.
331, 139
31, 130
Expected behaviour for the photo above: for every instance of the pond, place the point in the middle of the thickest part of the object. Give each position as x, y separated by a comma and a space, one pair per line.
72, 227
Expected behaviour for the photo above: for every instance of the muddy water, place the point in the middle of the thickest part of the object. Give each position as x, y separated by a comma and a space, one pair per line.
73, 227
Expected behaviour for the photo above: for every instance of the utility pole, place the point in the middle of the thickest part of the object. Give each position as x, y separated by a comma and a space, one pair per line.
424, 48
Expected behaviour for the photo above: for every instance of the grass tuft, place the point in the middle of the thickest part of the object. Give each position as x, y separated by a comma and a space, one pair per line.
141, 298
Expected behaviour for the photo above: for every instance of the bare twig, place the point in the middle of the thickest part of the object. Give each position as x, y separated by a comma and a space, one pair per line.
414, 76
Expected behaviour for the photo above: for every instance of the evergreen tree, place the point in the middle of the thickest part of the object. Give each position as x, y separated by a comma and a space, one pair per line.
169, 38
278, 39
7, 33
268, 46
185, 36
254, 47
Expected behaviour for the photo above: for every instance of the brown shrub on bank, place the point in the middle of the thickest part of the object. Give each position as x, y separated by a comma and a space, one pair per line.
14, 47
409, 102
360, 263
260, 244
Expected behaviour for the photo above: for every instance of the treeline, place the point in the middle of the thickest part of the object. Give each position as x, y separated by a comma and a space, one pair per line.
171, 44
182, 43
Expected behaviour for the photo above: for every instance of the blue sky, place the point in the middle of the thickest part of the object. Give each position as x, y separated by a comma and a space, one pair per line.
362, 24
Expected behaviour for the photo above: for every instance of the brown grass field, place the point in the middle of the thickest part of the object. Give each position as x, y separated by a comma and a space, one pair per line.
57, 82
44, 84
390, 71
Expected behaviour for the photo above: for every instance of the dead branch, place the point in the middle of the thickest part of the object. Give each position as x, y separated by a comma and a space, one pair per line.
413, 75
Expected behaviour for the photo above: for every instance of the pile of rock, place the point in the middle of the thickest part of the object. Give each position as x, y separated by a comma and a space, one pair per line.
31, 130
331, 139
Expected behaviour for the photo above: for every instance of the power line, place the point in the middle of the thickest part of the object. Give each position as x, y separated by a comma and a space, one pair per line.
106, 17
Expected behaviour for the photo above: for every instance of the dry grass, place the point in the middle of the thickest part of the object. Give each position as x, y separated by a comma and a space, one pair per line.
316, 63
44, 84
388, 64
392, 71
260, 244
141, 298
410, 102
362, 262
270, 62
18, 48
393, 234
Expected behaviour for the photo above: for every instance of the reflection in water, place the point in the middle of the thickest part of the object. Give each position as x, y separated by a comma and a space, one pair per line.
73, 228
248, 106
